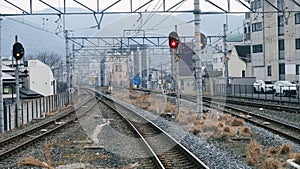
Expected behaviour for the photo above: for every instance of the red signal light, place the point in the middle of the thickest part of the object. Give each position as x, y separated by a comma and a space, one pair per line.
173, 40
173, 44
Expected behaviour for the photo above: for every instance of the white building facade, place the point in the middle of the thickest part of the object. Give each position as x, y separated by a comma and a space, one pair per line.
274, 36
40, 78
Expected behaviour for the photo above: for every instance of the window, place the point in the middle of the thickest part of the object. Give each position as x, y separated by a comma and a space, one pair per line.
257, 48
281, 44
297, 43
281, 71
256, 26
280, 25
256, 4
6, 89
269, 70
118, 68
243, 73
297, 18
297, 69
280, 4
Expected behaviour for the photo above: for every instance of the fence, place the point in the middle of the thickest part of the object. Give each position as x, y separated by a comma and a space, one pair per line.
32, 109
246, 91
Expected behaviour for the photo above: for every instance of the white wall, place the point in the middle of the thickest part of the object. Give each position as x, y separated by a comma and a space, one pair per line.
40, 78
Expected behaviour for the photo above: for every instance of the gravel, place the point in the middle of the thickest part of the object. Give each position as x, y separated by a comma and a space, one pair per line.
214, 155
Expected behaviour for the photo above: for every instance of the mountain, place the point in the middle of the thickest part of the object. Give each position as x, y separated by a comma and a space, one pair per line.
44, 33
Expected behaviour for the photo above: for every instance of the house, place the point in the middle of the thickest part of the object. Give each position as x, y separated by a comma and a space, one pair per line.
238, 57
40, 78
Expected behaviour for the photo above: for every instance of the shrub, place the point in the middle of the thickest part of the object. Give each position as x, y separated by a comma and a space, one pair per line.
271, 164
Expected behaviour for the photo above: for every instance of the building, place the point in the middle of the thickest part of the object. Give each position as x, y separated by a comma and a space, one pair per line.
238, 57
40, 78
274, 36
114, 70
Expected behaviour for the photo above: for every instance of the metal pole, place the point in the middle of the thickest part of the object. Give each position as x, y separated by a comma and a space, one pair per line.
68, 65
197, 57
18, 95
177, 77
18, 116
1, 87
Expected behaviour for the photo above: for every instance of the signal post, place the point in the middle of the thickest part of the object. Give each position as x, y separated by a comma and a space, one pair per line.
18, 53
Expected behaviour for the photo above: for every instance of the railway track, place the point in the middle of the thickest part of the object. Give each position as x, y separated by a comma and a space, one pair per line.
35, 132
257, 103
165, 151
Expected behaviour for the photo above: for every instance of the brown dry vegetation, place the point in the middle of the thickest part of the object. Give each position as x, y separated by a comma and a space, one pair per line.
285, 149
271, 164
237, 122
253, 153
296, 156
272, 150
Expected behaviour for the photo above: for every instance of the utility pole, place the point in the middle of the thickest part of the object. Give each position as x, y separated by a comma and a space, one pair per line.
1, 86
68, 65
197, 57
226, 60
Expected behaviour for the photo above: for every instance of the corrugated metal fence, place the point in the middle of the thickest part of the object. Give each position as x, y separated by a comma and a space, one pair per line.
32, 109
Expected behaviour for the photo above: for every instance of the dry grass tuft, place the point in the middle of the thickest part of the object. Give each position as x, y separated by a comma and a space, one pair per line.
253, 153
296, 156
271, 164
199, 122
237, 122
226, 118
204, 116
33, 161
48, 154
221, 124
196, 130
285, 149
272, 150
246, 130
227, 129
170, 108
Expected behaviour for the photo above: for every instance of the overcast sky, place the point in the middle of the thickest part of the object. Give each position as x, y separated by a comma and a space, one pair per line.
122, 6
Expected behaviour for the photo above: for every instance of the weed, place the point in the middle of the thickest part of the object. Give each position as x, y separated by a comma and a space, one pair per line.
237, 122
246, 130
285, 149
253, 153
271, 164
272, 150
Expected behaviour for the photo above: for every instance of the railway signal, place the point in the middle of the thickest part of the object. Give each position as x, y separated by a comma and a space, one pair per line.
18, 51
173, 40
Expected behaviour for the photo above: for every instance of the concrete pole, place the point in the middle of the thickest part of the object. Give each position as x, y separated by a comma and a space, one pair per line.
226, 59
1, 86
197, 57
68, 65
